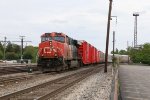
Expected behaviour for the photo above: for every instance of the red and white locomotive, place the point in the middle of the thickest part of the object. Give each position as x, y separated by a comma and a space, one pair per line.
58, 52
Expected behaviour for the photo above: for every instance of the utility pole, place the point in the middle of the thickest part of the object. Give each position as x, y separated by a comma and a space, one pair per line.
127, 44
135, 29
113, 48
4, 46
107, 37
22, 37
22, 41
114, 42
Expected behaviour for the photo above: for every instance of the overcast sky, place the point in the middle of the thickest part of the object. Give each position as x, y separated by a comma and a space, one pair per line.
79, 19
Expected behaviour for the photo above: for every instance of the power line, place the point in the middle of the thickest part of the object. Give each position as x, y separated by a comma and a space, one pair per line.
22, 41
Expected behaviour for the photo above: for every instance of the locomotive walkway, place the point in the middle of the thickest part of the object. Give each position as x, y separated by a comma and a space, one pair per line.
134, 82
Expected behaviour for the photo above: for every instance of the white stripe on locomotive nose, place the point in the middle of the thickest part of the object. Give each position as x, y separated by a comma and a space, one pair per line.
54, 50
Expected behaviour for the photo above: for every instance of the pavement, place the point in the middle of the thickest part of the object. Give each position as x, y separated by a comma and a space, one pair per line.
134, 82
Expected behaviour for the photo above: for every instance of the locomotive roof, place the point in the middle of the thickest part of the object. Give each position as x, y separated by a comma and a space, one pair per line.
53, 34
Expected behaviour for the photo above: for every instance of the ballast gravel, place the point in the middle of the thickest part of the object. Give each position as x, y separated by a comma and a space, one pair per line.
35, 80
95, 87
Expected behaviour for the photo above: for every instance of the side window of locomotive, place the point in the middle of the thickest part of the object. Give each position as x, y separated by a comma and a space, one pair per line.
59, 39
71, 41
74, 42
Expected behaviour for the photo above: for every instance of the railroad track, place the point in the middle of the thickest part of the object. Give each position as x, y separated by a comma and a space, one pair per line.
8, 80
16, 69
49, 89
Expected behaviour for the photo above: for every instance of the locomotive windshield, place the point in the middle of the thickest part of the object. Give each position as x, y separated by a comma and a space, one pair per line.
59, 38
46, 38
56, 38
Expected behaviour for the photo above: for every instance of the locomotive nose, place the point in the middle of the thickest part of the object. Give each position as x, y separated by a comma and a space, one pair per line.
51, 49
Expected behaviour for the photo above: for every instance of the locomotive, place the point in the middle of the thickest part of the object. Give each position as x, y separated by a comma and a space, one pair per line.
57, 52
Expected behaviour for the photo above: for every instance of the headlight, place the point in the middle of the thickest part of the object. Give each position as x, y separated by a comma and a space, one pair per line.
50, 44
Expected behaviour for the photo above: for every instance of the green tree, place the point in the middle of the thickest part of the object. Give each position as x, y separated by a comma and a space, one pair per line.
1, 55
123, 52
27, 55
1, 47
9, 47
28, 52
146, 53
16, 48
140, 55
1, 51
35, 54
135, 55
115, 52
11, 56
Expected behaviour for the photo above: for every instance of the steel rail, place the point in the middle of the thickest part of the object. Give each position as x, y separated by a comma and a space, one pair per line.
4, 80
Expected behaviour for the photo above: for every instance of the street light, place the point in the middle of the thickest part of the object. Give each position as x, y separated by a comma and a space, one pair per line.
114, 17
114, 41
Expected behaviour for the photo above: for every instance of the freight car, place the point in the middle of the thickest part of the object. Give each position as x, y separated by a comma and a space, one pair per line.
58, 51
122, 58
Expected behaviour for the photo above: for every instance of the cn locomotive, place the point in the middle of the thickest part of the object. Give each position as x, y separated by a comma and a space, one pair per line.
57, 52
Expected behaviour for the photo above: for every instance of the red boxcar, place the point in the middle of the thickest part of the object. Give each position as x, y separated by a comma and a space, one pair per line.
102, 57
88, 53
98, 57
95, 55
84, 51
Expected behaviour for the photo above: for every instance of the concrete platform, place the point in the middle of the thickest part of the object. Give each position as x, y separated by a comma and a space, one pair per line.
135, 82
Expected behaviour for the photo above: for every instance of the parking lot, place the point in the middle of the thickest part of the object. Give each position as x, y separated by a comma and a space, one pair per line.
134, 82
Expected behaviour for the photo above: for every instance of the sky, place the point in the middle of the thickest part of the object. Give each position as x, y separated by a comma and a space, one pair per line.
79, 19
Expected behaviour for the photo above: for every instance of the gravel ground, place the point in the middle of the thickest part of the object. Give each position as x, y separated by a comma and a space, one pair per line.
95, 87
37, 79
13, 75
